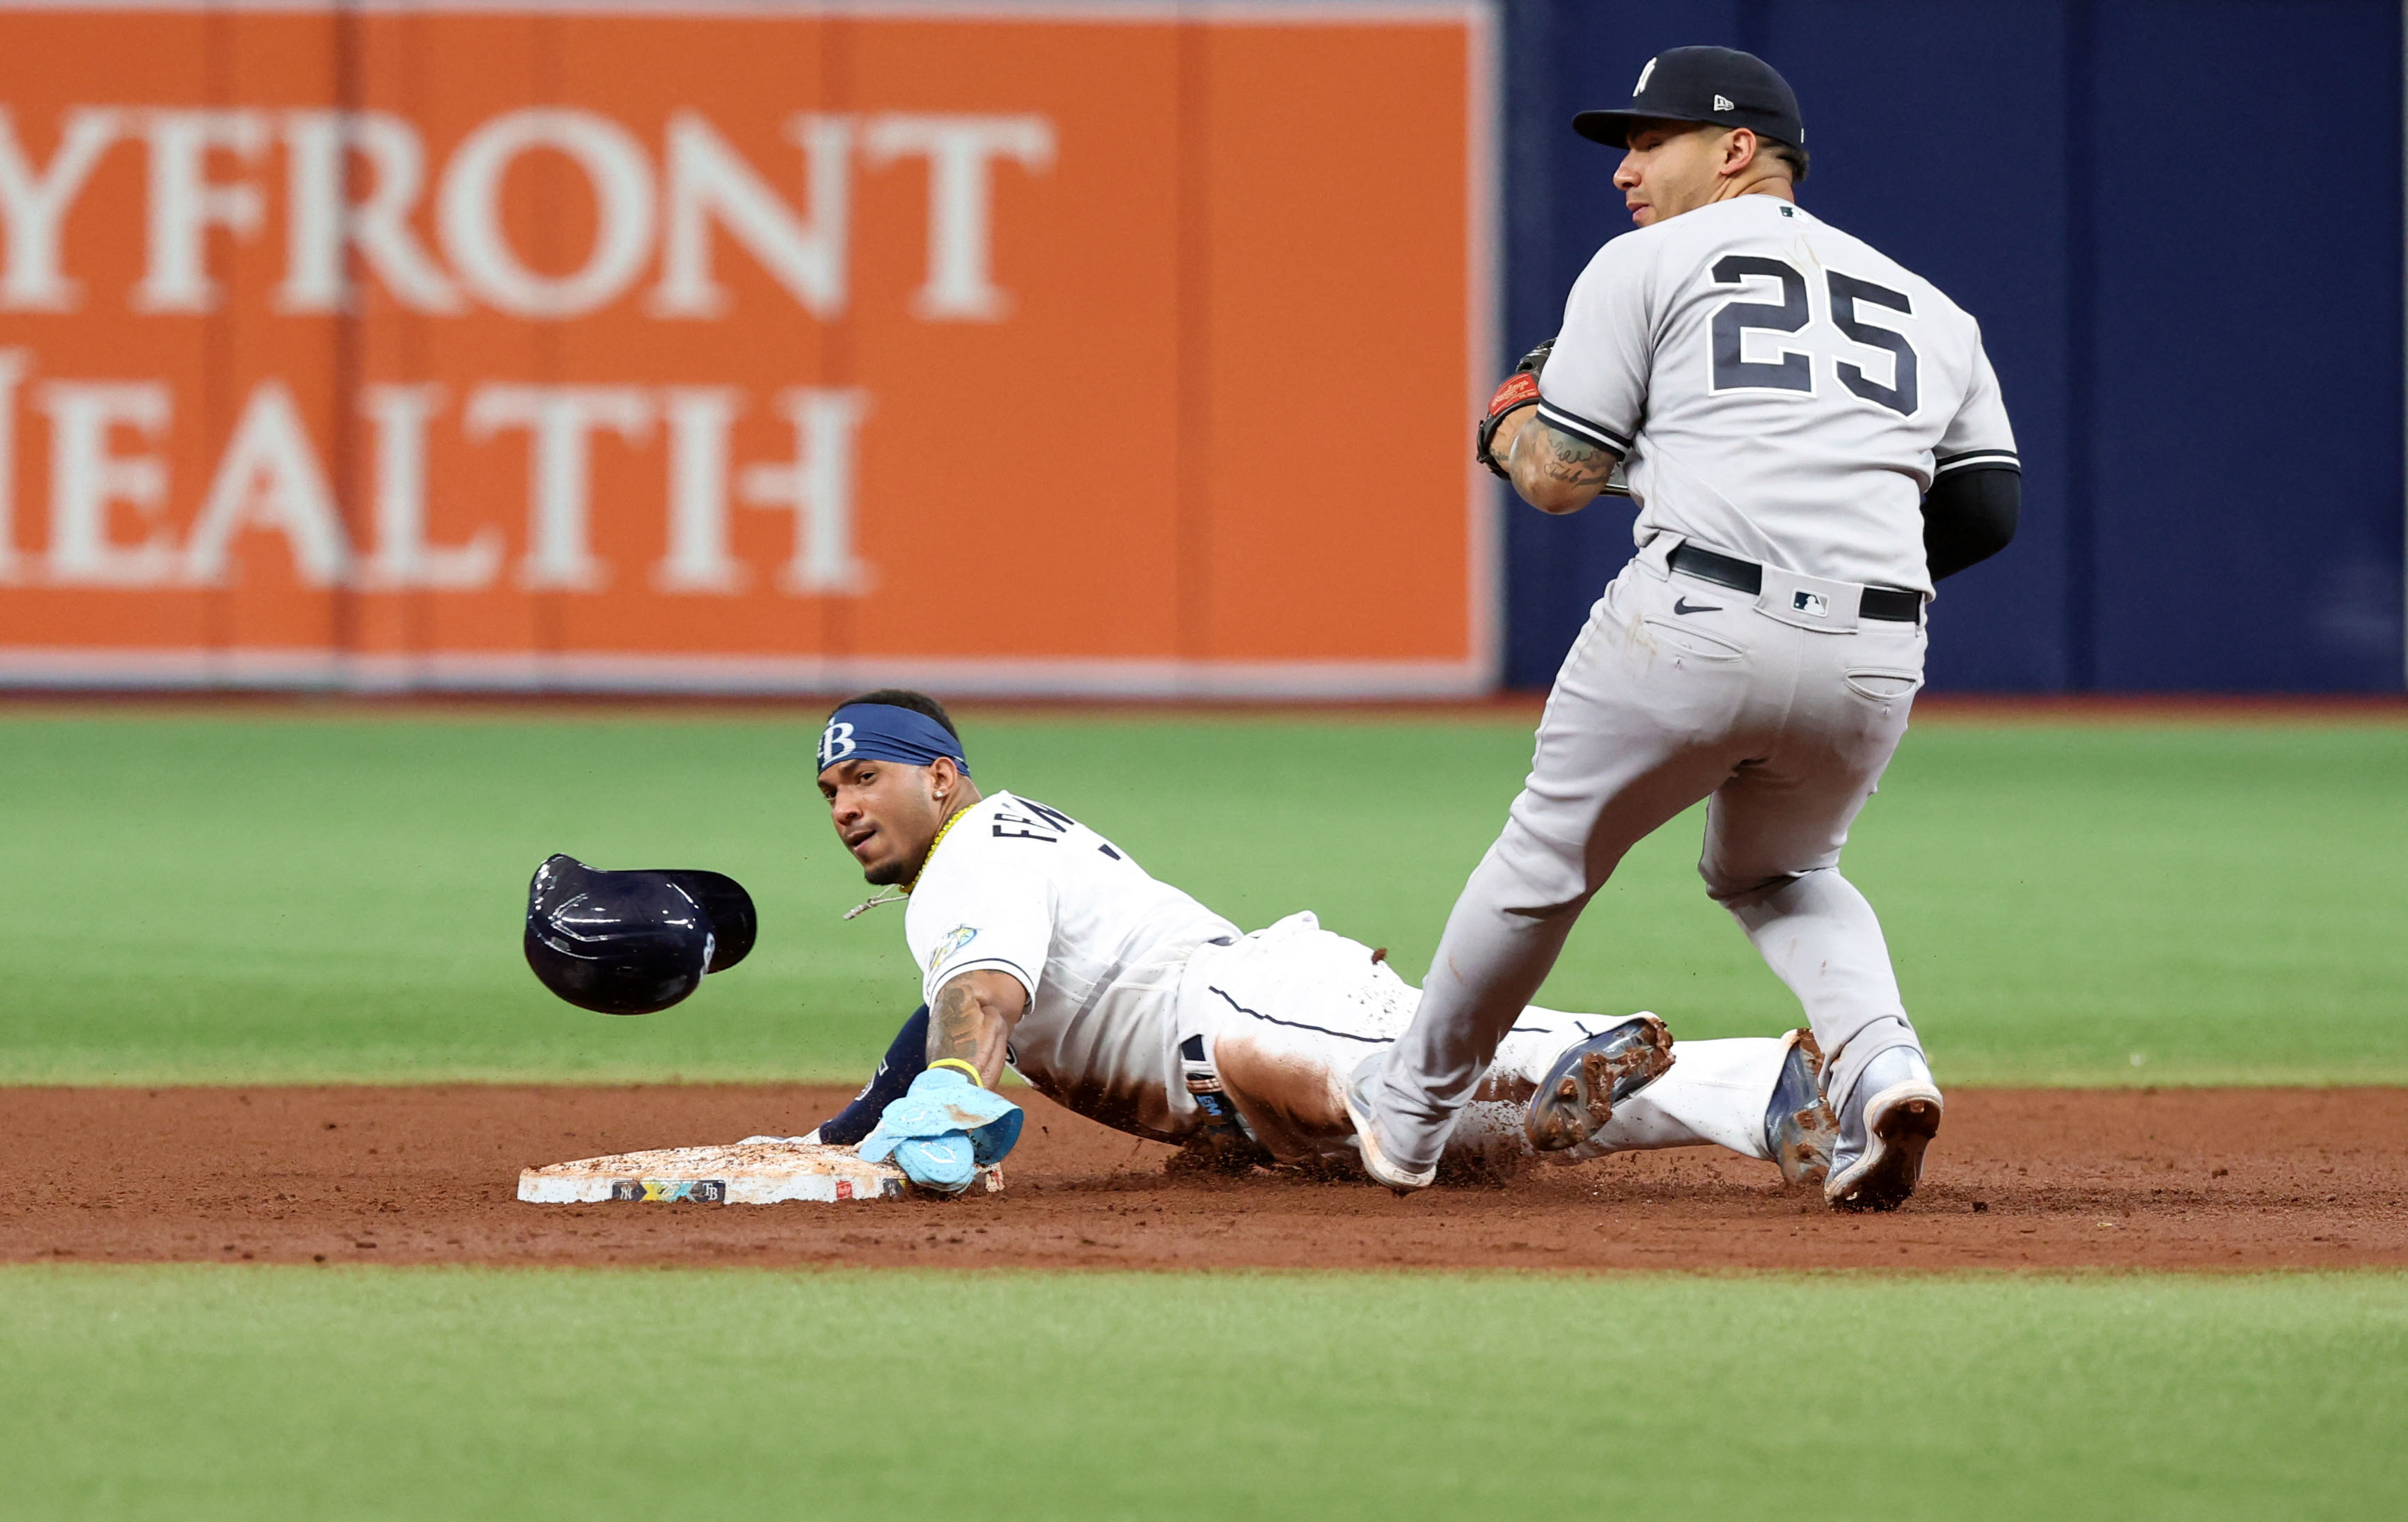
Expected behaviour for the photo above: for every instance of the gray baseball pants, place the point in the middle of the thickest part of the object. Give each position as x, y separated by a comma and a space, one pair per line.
1782, 708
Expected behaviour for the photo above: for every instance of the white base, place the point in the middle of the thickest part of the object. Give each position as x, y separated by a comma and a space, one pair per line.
746, 1173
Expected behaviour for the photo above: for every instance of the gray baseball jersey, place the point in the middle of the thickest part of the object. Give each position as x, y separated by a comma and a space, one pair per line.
1782, 391
1785, 395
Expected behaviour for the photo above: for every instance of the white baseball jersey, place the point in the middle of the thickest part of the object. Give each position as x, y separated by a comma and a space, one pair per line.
1027, 890
1781, 391
1106, 951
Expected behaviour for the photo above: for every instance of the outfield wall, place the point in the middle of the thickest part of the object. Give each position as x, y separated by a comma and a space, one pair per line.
2180, 224
1123, 347
760, 347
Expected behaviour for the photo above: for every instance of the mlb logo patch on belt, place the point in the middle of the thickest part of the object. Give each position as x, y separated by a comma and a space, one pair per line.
1812, 604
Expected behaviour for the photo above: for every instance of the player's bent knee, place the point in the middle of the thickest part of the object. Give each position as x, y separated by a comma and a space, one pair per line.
1533, 872
1735, 890
1294, 1108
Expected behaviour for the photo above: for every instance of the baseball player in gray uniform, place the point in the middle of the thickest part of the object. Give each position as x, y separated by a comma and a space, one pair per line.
1813, 438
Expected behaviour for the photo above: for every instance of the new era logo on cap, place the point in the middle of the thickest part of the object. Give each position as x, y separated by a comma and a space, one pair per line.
1718, 85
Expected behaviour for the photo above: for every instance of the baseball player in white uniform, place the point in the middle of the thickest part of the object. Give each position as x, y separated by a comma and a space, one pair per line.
1813, 436
1044, 947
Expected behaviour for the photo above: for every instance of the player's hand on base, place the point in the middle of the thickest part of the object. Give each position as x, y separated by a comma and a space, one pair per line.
943, 1130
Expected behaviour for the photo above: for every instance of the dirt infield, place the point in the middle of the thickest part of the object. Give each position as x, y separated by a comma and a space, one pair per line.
2040, 1179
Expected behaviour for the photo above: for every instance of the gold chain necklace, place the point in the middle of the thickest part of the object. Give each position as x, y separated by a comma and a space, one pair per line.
898, 894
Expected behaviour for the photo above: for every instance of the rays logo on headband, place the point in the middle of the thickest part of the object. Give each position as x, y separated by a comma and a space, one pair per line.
882, 732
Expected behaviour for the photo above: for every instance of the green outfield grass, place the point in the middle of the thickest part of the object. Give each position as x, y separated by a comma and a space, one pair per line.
195, 1393
237, 898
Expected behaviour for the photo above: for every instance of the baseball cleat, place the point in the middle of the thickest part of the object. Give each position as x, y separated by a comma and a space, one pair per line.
1576, 1098
1799, 1129
1884, 1128
1377, 1160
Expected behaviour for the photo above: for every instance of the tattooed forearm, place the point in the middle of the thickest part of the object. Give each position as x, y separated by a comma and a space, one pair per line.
971, 1020
954, 1023
1563, 458
1557, 472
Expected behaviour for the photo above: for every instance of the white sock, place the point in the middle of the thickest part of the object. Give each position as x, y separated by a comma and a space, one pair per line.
1715, 1095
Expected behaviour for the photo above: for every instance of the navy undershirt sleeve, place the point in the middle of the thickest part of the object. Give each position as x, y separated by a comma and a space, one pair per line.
1968, 516
904, 1061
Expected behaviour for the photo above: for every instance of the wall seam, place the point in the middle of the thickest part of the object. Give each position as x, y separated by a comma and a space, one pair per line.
2081, 351
1191, 380
349, 339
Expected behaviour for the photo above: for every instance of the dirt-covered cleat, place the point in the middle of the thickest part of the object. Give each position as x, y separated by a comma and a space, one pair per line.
1883, 1130
1576, 1098
1798, 1126
1376, 1161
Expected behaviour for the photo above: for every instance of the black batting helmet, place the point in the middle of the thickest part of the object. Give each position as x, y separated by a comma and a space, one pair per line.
632, 943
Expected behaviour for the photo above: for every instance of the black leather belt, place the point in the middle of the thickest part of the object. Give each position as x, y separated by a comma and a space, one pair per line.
1889, 604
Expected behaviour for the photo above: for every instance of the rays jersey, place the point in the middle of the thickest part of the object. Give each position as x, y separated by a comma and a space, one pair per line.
1016, 887
1780, 391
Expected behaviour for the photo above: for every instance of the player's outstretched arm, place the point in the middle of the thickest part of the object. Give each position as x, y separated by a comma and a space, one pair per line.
972, 1020
947, 1125
1553, 470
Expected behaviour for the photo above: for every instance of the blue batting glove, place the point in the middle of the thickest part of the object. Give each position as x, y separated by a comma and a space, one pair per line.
943, 1163
943, 1130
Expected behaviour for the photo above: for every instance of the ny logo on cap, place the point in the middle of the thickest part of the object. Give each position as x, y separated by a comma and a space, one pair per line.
1640, 88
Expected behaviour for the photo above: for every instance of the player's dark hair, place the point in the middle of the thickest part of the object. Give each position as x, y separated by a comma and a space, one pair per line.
1788, 153
919, 703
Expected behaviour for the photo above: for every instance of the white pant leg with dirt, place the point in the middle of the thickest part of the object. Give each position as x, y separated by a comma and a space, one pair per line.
1282, 1017
1782, 707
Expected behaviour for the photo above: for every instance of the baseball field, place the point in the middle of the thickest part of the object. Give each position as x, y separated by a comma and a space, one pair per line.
274, 1063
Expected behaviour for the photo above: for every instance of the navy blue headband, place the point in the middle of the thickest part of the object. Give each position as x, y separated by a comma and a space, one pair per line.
880, 732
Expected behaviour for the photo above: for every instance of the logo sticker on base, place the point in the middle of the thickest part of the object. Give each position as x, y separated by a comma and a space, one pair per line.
671, 1191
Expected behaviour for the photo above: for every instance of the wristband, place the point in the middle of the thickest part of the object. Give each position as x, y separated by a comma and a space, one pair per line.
969, 1071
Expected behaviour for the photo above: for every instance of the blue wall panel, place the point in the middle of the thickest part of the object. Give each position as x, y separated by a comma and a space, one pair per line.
2193, 304
1944, 146
2247, 451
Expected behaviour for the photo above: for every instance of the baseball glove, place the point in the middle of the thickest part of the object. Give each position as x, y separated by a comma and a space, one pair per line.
1520, 390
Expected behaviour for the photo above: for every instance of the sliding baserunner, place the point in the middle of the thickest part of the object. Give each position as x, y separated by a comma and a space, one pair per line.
1043, 947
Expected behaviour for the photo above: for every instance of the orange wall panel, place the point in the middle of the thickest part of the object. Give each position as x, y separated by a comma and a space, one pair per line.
1128, 350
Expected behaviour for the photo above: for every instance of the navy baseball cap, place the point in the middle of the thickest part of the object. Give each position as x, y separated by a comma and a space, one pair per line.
1718, 85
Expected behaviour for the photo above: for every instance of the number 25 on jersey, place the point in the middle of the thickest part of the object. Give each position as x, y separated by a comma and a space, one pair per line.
1794, 369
